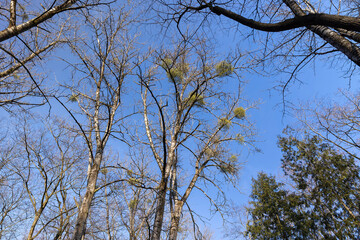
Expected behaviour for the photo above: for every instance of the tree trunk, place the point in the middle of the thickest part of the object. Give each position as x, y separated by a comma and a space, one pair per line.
175, 220
32, 229
336, 40
161, 196
159, 214
80, 226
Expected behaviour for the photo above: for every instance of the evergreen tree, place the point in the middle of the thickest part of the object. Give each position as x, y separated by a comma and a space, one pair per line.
324, 202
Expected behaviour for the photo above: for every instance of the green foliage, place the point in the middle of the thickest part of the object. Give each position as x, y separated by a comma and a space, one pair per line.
273, 210
184, 67
230, 166
224, 68
239, 112
233, 158
211, 153
166, 63
175, 74
175, 71
325, 201
224, 123
196, 99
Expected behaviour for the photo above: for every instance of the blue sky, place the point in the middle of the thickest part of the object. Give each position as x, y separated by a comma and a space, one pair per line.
320, 81
323, 84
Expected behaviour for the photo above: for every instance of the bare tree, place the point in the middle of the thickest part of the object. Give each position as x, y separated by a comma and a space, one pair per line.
103, 65
307, 29
138, 195
41, 175
124, 201
187, 119
134, 197
11, 195
334, 122
29, 30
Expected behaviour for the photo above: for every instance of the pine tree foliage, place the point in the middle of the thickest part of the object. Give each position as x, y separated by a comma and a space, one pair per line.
324, 202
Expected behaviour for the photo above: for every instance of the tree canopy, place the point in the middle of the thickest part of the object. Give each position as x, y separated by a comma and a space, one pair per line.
319, 200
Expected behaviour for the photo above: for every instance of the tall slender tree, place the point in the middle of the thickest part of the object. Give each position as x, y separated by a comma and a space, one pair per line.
188, 124
103, 67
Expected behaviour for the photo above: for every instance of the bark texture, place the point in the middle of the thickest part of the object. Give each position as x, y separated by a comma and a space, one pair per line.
335, 39
160, 208
80, 227
14, 30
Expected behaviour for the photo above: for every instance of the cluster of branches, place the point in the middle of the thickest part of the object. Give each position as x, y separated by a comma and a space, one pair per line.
191, 124
29, 31
179, 143
88, 191
292, 32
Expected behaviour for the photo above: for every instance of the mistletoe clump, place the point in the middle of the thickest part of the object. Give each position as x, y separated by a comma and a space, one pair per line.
175, 71
240, 112
133, 203
224, 123
224, 68
228, 168
196, 99
73, 98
